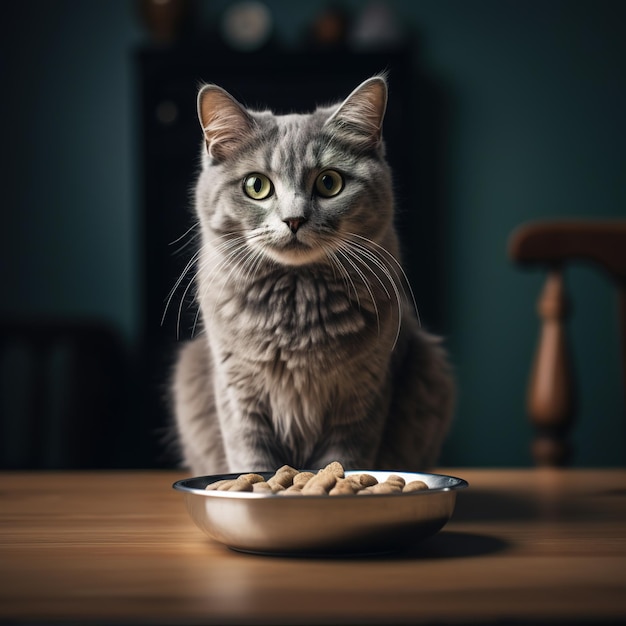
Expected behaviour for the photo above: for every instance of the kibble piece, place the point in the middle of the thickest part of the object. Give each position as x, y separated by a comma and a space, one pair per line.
354, 479
294, 490
317, 490
226, 485
233, 484
344, 487
240, 484
334, 468
367, 480
261, 487
302, 478
218, 483
386, 487
283, 478
320, 484
363, 480
252, 478
414, 485
396, 480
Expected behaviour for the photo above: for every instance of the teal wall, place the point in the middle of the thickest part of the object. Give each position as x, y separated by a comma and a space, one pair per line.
533, 95
68, 120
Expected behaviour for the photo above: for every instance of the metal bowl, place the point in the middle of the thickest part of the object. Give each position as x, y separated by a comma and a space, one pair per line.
316, 525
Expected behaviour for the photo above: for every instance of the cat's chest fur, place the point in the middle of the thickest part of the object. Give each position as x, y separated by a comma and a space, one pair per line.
296, 317
299, 338
304, 349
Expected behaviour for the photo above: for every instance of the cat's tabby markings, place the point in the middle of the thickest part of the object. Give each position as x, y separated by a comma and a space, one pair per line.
310, 350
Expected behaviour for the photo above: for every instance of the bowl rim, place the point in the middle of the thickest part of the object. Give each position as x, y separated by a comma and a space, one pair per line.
182, 486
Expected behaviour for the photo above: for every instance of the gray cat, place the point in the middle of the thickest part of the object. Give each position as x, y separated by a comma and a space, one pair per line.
312, 350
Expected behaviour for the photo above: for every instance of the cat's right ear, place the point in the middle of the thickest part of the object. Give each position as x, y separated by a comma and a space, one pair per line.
226, 124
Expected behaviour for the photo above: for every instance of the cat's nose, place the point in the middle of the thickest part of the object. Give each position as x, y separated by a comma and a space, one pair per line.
294, 223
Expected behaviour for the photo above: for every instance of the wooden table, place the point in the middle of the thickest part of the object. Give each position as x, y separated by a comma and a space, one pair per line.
523, 546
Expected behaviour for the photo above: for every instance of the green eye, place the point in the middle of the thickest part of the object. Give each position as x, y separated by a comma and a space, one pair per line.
258, 186
329, 183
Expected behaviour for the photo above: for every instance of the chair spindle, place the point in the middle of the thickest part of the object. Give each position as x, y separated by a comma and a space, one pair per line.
550, 400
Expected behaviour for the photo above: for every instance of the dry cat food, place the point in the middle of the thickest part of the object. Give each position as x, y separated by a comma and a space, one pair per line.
331, 480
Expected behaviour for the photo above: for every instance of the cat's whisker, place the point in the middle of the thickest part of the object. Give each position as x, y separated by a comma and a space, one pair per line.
188, 232
212, 271
197, 314
256, 266
364, 254
347, 254
383, 268
195, 278
379, 262
180, 307
329, 241
233, 260
348, 281
243, 260
208, 271
398, 270
228, 247
177, 284
223, 246
370, 258
263, 236
335, 263
248, 267
382, 260
196, 320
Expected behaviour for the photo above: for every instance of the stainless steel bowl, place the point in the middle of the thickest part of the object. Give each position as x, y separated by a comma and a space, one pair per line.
281, 524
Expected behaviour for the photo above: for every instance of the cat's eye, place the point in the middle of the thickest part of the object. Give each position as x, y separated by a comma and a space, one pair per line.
329, 183
258, 186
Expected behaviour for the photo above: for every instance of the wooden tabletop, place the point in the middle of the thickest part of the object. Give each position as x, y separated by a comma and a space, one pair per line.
523, 546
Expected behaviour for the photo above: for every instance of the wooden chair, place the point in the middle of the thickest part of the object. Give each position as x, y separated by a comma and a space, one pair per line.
550, 401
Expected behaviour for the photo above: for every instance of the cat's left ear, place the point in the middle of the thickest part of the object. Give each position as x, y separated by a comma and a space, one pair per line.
360, 117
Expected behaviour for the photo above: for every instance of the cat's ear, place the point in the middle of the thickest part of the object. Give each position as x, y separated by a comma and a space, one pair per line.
226, 124
360, 117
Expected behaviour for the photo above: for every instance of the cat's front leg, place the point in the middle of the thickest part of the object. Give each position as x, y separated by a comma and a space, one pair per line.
219, 429
355, 435
249, 440
250, 446
199, 434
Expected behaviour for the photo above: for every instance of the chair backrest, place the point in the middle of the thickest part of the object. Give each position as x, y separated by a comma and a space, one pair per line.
551, 391
60, 391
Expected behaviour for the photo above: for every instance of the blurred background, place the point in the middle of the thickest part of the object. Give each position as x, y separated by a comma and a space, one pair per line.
501, 112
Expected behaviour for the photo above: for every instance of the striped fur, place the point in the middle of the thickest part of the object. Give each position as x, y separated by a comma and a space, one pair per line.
310, 349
